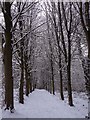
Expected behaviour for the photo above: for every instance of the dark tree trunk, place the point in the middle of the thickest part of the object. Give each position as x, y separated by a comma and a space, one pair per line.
52, 74
62, 36
88, 69
26, 76
8, 58
21, 91
69, 74
68, 57
59, 48
61, 79
30, 82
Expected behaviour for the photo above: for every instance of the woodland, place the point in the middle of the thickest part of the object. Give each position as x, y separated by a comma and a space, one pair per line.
40, 42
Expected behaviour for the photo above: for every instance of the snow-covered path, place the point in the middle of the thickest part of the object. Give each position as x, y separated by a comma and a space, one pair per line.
41, 104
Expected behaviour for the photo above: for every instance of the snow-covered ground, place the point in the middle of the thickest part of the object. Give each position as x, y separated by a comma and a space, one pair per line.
42, 104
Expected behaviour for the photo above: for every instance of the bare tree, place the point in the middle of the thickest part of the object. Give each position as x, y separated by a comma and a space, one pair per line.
6, 9
51, 51
68, 30
84, 13
86, 27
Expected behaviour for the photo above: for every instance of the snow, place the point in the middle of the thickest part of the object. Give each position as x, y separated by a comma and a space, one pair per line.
80, 101
42, 104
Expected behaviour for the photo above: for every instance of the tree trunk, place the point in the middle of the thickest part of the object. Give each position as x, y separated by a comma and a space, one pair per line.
53, 87
68, 26
26, 76
58, 44
21, 91
30, 82
88, 65
8, 58
69, 85
88, 72
61, 79
69, 73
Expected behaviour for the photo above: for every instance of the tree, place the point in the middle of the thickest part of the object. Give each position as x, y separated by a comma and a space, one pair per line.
51, 52
60, 34
86, 28
21, 92
6, 9
85, 22
59, 49
69, 31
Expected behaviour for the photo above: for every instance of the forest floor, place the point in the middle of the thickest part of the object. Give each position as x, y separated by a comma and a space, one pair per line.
42, 104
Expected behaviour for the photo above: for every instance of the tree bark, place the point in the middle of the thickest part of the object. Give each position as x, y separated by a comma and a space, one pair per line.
8, 57
69, 73
26, 74
21, 91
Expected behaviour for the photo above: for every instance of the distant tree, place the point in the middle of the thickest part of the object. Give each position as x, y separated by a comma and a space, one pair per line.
51, 51
68, 26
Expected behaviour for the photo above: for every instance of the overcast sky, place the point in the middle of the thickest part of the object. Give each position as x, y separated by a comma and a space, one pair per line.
1, 17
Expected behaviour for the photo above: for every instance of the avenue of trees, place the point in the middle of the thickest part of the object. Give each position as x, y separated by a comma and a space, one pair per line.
39, 43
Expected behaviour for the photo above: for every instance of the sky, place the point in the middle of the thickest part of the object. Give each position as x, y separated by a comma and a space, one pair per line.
1, 17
